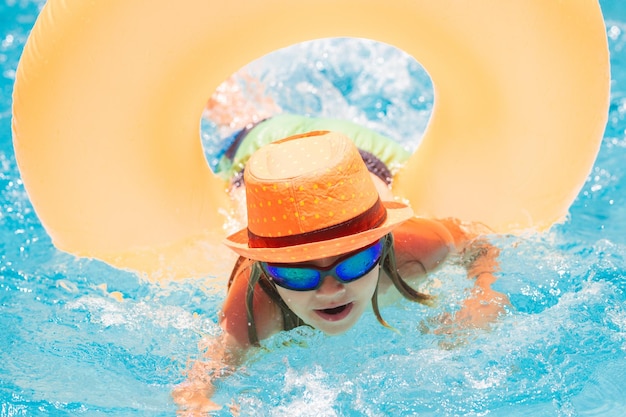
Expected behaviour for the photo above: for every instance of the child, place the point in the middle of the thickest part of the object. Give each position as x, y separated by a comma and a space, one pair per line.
320, 246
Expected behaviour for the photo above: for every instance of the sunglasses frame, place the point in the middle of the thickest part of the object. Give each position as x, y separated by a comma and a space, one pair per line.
325, 271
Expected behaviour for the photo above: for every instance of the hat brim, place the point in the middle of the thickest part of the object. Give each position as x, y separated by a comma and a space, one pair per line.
397, 213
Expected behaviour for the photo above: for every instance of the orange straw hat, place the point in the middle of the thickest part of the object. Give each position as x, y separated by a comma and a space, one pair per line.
311, 196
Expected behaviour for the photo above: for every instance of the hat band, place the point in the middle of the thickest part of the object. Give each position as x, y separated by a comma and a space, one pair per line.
369, 219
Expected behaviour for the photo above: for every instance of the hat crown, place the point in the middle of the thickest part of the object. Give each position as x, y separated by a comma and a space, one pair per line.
306, 183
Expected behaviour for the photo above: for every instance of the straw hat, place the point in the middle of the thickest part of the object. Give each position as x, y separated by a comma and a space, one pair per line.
311, 196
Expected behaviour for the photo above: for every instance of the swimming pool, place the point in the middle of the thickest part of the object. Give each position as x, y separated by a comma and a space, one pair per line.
79, 337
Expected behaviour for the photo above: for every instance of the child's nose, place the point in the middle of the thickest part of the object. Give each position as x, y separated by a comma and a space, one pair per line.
330, 286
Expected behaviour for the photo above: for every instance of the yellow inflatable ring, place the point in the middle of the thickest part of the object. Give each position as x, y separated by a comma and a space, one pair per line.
109, 95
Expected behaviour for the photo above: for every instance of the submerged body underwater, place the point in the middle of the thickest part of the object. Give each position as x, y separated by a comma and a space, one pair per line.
78, 336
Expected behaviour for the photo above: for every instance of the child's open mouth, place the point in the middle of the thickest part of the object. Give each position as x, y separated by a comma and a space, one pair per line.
335, 313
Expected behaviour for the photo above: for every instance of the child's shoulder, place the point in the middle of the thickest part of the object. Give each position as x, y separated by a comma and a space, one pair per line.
236, 318
425, 243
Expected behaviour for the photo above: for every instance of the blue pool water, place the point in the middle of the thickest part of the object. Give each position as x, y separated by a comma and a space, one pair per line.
69, 346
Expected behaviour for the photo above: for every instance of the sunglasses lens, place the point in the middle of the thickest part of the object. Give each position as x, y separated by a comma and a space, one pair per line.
360, 264
308, 278
293, 278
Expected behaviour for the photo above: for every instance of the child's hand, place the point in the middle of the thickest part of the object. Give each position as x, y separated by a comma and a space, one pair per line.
194, 400
483, 307
479, 311
193, 396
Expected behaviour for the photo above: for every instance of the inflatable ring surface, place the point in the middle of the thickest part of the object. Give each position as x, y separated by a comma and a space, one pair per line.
109, 95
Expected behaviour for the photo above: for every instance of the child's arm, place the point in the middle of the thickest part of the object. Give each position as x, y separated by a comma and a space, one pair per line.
480, 259
422, 245
224, 354
484, 305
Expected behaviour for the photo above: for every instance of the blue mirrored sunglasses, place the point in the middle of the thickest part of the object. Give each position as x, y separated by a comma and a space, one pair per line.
306, 277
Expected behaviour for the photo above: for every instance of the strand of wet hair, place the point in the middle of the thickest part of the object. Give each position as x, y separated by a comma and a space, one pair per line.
389, 265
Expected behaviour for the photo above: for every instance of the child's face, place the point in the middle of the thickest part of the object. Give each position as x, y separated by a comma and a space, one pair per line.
334, 307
